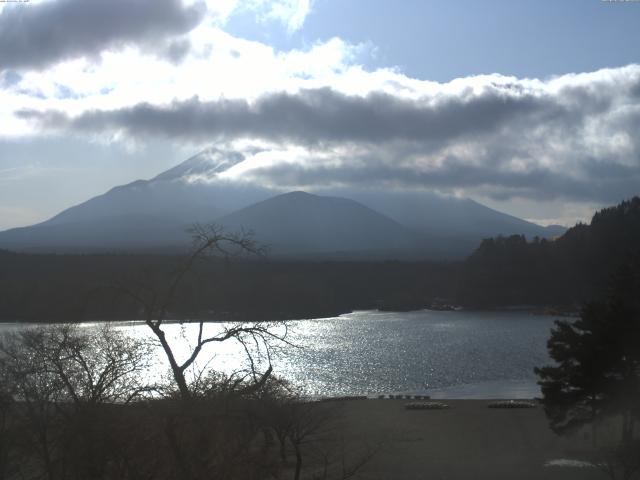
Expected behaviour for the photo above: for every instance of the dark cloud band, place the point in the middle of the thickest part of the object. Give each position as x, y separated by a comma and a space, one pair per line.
35, 36
578, 141
311, 116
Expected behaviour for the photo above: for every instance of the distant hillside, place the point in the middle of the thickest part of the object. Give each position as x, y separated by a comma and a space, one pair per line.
145, 215
153, 216
181, 195
45, 287
452, 228
301, 223
123, 233
503, 271
572, 269
433, 214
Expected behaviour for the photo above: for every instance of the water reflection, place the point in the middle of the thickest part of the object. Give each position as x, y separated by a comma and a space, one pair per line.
457, 354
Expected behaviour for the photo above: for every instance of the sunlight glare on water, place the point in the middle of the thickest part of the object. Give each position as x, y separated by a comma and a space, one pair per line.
462, 354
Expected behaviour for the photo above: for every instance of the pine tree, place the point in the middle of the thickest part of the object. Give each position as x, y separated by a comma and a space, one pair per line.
597, 373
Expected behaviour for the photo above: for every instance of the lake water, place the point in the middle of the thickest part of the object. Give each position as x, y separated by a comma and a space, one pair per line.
452, 354
459, 354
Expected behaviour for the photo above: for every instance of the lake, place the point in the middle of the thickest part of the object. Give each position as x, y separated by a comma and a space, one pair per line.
446, 354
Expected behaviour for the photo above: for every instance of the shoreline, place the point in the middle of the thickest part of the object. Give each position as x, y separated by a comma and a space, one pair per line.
545, 310
466, 440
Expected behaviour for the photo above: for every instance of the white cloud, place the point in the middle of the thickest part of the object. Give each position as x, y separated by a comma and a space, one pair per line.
219, 65
291, 14
492, 136
572, 136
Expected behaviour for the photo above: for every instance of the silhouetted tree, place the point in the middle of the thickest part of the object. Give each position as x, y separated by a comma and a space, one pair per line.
155, 303
61, 377
562, 272
597, 375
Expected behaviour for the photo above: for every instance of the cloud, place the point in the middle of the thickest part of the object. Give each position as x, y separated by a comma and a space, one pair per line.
9, 79
38, 35
216, 65
291, 13
571, 137
496, 181
313, 117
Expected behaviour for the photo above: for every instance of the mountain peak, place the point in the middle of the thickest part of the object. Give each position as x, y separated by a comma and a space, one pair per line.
205, 165
298, 222
296, 194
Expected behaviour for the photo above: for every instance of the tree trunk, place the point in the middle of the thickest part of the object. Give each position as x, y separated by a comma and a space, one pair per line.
178, 373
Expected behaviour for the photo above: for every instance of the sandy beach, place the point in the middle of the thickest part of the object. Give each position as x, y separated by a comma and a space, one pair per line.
466, 441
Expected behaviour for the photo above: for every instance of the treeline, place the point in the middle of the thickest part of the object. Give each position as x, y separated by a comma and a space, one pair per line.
503, 271
42, 288
566, 272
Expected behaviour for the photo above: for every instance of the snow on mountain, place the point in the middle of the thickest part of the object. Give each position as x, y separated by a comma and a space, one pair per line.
155, 214
205, 166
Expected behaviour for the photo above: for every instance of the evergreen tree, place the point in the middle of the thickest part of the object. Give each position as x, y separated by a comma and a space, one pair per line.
598, 360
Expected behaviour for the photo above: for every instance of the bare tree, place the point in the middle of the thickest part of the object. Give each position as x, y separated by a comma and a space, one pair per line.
83, 365
62, 378
155, 303
37, 390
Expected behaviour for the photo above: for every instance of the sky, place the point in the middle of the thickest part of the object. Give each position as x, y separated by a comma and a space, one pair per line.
532, 108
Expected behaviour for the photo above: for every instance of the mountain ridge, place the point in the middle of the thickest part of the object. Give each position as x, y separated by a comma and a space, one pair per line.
155, 213
298, 221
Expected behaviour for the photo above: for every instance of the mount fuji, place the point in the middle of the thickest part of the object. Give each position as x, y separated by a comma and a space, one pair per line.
154, 215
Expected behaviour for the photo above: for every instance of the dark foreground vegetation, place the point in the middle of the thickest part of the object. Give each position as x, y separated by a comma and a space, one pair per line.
596, 378
503, 271
75, 404
570, 270
89, 404
41, 288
